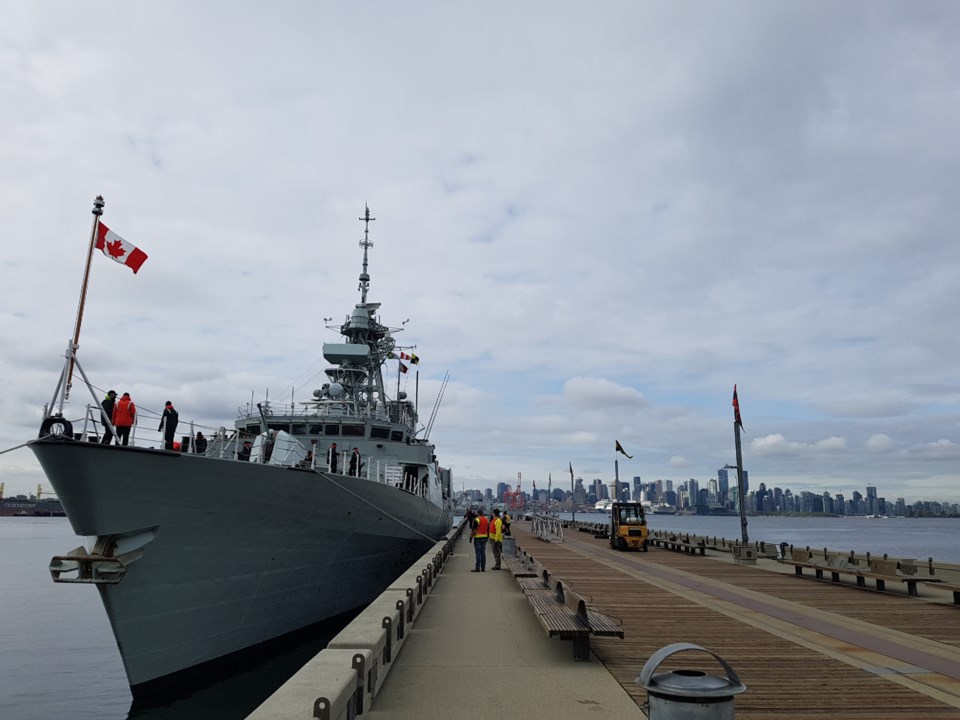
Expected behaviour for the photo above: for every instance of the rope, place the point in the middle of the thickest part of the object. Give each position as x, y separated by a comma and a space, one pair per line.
17, 447
378, 509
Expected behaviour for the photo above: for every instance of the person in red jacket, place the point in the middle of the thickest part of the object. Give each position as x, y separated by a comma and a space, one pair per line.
479, 534
124, 416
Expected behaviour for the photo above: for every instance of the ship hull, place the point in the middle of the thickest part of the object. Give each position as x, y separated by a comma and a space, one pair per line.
229, 554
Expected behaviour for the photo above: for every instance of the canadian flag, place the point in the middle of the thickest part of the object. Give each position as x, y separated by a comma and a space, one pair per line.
116, 248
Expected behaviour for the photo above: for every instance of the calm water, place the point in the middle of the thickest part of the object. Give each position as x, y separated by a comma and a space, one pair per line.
919, 538
58, 657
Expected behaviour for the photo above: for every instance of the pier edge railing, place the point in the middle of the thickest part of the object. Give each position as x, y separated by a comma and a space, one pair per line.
929, 567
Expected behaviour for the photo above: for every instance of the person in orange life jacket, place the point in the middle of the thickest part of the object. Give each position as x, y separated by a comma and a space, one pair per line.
124, 415
332, 457
496, 537
108, 402
355, 463
479, 534
168, 423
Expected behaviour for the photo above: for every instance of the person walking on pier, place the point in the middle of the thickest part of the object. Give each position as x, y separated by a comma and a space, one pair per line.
479, 534
496, 538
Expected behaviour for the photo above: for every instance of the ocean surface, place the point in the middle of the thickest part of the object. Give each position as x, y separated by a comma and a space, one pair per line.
58, 657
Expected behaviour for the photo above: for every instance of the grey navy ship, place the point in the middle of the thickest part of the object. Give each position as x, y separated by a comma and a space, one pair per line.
198, 556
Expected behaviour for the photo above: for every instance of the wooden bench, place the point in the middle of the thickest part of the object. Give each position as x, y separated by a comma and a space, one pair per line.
564, 613
880, 571
953, 587
678, 545
523, 565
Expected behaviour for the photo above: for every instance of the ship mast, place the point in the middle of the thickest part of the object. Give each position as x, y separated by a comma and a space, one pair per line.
366, 243
374, 379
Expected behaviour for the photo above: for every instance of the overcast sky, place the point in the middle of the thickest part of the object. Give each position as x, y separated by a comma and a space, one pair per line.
597, 218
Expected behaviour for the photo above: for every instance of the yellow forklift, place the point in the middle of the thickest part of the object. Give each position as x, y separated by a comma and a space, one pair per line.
628, 526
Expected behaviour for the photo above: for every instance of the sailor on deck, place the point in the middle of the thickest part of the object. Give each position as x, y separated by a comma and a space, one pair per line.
332, 457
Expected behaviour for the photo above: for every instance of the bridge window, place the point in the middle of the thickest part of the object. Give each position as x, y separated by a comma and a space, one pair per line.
397, 436
331, 429
379, 433
353, 430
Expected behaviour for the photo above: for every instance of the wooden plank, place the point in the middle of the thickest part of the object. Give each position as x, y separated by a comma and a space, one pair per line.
785, 679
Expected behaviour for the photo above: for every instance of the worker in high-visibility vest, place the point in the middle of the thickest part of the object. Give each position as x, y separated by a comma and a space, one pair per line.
479, 535
496, 538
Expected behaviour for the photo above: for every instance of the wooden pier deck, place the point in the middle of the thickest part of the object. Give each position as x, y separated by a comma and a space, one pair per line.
805, 649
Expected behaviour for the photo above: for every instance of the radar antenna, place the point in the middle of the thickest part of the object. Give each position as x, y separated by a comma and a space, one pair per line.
366, 243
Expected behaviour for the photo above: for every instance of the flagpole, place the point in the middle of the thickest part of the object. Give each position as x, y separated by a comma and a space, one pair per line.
72, 348
740, 484
741, 489
573, 495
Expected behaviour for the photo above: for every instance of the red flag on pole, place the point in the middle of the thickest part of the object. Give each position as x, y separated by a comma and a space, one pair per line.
736, 408
118, 249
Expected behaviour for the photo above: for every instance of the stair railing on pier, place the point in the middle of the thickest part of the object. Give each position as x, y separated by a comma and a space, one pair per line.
547, 528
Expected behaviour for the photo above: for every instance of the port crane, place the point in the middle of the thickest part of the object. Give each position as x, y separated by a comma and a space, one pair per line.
514, 498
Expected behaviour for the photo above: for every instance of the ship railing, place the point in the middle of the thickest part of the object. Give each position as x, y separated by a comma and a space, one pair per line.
328, 410
143, 433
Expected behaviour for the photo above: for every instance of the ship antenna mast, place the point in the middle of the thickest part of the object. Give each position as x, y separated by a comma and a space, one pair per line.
366, 243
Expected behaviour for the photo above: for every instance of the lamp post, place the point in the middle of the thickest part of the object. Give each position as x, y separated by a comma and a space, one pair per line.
740, 492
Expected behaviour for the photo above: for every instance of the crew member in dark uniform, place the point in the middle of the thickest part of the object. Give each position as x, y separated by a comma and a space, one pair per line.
168, 423
332, 457
108, 402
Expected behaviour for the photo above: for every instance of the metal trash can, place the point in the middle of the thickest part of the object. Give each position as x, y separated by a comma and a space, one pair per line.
688, 694
510, 546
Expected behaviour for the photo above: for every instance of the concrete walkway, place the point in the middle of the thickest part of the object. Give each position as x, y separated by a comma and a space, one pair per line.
477, 650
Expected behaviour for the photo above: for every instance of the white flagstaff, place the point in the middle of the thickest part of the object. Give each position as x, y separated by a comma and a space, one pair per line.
54, 423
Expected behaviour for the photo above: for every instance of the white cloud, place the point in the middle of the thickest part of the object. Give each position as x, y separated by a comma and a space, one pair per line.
601, 394
777, 444
880, 442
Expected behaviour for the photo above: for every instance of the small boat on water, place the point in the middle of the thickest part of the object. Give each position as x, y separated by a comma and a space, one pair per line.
661, 508
272, 527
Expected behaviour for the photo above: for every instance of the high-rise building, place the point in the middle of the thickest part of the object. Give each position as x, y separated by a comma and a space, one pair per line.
579, 493
637, 488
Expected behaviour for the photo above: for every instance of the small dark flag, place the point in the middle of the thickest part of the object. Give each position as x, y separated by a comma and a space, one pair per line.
403, 368
736, 409
414, 360
620, 449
